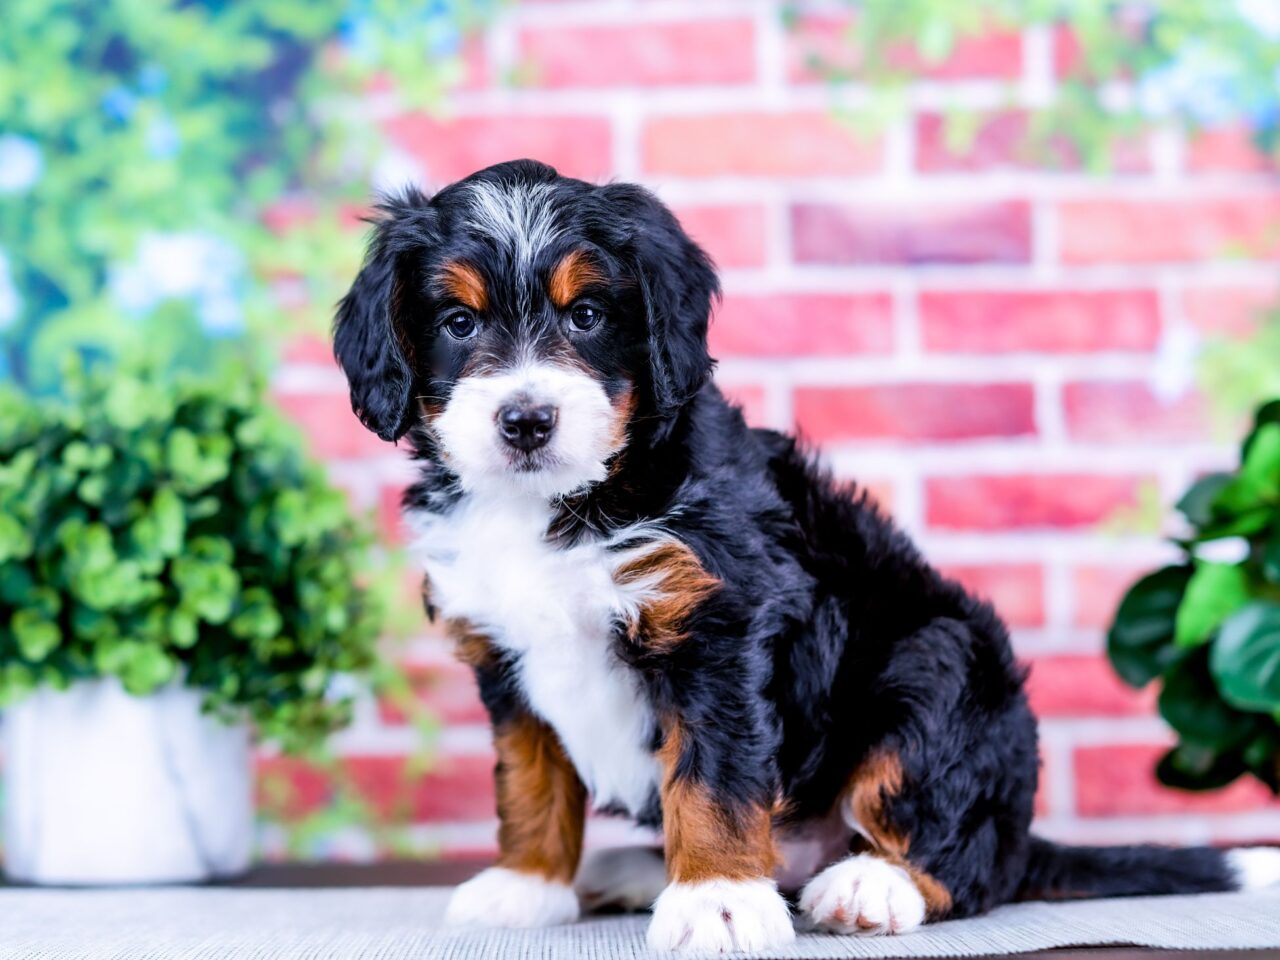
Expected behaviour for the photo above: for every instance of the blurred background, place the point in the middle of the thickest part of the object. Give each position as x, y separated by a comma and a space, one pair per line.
1012, 267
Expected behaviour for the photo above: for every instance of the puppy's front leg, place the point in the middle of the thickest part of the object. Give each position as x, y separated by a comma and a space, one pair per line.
720, 860
541, 808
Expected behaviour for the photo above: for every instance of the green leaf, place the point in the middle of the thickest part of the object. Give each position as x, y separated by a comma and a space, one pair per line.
1258, 483
1215, 591
1271, 558
1188, 767
141, 667
1262, 757
1197, 503
37, 636
1262, 459
1191, 704
15, 538
1140, 642
1267, 414
1245, 658
184, 630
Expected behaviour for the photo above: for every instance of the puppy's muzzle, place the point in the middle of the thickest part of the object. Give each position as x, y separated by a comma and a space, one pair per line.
526, 426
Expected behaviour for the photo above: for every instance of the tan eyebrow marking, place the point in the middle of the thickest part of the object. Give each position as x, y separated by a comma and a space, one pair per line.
464, 283
573, 274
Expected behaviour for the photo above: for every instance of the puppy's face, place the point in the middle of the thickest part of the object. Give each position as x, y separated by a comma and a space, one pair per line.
525, 320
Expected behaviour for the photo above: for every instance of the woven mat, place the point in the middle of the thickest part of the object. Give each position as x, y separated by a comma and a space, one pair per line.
403, 924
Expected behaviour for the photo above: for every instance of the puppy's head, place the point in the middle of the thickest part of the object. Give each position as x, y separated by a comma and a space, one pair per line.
526, 320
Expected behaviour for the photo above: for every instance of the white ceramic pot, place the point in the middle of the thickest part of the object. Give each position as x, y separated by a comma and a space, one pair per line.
105, 788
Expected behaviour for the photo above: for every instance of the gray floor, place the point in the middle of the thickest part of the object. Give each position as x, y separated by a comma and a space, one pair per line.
402, 923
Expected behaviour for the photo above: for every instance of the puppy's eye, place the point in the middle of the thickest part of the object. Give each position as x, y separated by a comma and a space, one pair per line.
584, 317
460, 326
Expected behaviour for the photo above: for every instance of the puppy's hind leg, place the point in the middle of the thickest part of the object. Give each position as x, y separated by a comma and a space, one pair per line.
624, 879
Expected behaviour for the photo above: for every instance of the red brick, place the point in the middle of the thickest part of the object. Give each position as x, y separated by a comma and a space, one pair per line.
1026, 501
1068, 56
912, 233
447, 690
289, 213
796, 144
995, 55
1227, 150
1015, 589
454, 788
1069, 60
1044, 794
1004, 141
641, 54
475, 71
751, 397
802, 324
1232, 311
1083, 686
1053, 321
331, 429
1126, 410
881, 491
734, 234
1169, 231
310, 350
1119, 780
915, 411
1098, 591
390, 520
577, 146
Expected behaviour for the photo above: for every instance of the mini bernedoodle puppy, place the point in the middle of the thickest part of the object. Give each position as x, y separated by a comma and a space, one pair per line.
680, 618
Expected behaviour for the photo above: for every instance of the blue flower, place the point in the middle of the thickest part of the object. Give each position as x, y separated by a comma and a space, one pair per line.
152, 78
20, 163
1197, 84
444, 41
162, 138
10, 299
119, 103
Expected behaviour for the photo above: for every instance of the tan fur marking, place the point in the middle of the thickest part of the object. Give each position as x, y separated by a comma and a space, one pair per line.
877, 779
704, 841
573, 274
469, 645
937, 898
464, 283
680, 585
624, 409
541, 802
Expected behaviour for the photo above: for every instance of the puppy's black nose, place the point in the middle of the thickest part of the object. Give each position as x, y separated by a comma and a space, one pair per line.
525, 426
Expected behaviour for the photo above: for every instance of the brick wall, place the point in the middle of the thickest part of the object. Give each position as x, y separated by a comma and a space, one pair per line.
1003, 352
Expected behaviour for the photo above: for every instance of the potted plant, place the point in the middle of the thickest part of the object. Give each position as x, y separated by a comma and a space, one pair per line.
1208, 628
174, 574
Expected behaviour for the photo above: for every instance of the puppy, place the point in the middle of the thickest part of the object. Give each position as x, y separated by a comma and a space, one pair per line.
682, 619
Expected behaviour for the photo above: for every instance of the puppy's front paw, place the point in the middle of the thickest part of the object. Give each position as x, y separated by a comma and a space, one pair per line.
621, 878
720, 916
498, 897
863, 894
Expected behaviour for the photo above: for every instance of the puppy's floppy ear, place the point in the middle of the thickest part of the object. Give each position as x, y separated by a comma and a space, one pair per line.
678, 284
370, 338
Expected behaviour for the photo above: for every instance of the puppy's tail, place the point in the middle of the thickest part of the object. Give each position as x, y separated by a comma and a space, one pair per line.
1058, 872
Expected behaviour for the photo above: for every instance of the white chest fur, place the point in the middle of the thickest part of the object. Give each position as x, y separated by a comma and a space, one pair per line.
488, 562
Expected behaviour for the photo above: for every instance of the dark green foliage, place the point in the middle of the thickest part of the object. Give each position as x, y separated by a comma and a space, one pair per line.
153, 530
1210, 631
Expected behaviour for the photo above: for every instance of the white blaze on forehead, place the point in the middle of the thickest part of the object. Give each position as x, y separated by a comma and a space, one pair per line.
580, 445
520, 216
